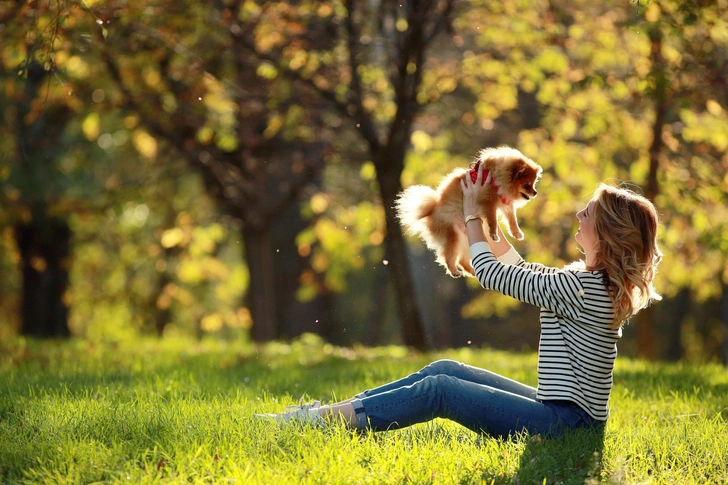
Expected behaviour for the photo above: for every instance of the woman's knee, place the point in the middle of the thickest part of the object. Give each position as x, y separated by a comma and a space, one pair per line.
440, 384
443, 366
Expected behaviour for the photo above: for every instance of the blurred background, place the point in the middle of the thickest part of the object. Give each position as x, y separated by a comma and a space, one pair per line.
227, 168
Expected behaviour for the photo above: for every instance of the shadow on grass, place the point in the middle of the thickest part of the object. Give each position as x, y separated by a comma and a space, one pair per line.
575, 457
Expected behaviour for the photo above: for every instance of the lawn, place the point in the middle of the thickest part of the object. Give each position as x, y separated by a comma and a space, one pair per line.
180, 411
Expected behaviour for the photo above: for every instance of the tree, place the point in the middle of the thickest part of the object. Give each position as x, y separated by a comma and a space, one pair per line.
372, 74
256, 144
35, 181
63, 139
693, 83
626, 92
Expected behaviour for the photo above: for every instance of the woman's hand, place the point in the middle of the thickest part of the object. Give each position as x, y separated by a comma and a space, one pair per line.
471, 190
474, 230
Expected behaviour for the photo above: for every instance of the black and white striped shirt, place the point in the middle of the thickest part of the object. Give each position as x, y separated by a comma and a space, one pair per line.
577, 348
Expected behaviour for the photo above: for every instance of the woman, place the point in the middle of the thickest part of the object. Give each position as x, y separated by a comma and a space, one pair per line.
583, 308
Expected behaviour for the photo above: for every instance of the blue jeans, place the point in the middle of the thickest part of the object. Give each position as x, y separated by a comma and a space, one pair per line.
476, 398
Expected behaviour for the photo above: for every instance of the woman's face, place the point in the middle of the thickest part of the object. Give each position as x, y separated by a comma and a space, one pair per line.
586, 236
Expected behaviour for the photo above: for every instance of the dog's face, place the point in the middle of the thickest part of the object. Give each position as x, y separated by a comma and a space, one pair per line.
524, 175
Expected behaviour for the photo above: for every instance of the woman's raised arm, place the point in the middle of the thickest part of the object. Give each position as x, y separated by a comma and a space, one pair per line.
474, 227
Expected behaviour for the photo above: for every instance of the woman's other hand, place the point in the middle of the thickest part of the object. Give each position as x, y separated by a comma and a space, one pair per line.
472, 189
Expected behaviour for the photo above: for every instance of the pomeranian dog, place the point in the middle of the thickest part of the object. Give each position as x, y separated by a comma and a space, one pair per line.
436, 216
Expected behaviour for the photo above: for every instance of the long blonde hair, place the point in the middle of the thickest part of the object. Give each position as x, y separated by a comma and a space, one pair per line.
626, 250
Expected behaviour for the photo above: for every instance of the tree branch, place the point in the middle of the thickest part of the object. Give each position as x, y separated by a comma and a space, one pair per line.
309, 172
356, 95
444, 22
406, 85
156, 128
367, 127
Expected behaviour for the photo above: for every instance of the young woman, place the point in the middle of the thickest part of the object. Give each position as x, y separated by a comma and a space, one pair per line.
583, 308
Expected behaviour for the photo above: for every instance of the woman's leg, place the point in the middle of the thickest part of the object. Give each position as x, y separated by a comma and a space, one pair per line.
475, 406
459, 370
351, 410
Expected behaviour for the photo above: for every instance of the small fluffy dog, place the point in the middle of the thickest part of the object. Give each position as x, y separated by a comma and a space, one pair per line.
436, 216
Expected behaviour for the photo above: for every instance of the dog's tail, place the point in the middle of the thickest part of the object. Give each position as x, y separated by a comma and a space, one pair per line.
413, 205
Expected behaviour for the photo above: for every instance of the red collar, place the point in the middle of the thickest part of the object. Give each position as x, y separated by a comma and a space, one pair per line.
474, 177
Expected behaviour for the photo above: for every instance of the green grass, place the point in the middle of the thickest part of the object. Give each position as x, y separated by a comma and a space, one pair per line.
180, 411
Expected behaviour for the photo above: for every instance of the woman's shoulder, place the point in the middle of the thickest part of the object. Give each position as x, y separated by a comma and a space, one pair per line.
593, 282
579, 268
591, 278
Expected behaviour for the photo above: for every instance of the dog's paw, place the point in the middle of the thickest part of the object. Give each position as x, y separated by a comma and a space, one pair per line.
455, 274
494, 236
518, 235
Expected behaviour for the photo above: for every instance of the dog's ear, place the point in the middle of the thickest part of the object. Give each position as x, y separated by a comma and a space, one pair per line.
518, 169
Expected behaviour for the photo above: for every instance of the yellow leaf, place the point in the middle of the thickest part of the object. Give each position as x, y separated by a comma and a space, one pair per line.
568, 128
274, 125
90, 126
653, 12
447, 84
172, 237
368, 171
421, 141
552, 60
320, 262
144, 143
77, 67
212, 323
250, 9
713, 107
227, 141
576, 31
189, 271
325, 10
298, 60
319, 203
205, 135
152, 77
130, 122
719, 140
369, 102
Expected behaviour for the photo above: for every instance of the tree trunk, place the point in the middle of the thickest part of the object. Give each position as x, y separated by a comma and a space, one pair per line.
261, 290
377, 311
44, 244
673, 346
413, 333
724, 317
162, 314
329, 327
646, 347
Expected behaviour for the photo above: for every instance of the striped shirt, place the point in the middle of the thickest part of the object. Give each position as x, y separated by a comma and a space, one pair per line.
577, 347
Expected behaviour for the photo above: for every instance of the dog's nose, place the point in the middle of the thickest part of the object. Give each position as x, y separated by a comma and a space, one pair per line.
535, 192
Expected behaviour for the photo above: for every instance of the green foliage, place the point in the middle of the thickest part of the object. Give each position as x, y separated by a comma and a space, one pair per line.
162, 252
573, 84
177, 411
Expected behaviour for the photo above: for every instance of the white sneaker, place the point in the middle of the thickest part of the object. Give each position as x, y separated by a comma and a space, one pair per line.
301, 414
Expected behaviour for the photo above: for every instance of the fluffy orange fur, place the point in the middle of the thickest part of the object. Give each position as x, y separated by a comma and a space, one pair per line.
436, 216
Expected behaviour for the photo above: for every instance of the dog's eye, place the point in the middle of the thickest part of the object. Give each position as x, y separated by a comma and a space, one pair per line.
527, 186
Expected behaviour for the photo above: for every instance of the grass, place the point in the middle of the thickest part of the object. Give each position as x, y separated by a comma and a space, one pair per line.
179, 411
